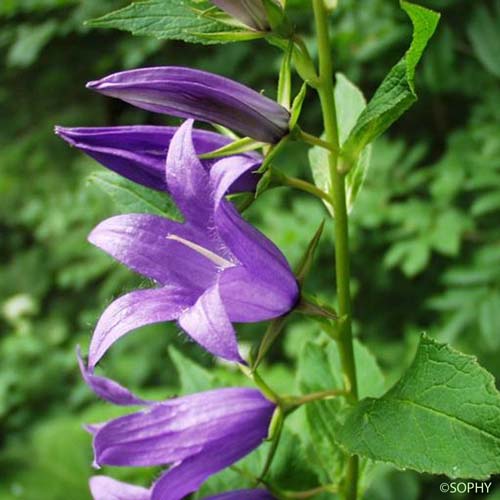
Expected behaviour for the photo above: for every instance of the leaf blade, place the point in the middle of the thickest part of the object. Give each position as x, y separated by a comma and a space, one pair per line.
168, 20
397, 91
442, 417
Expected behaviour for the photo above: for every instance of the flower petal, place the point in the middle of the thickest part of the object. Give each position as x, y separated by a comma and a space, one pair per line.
233, 174
187, 180
107, 389
106, 488
140, 242
248, 299
138, 152
135, 152
233, 420
208, 324
134, 310
251, 13
191, 93
191, 473
260, 256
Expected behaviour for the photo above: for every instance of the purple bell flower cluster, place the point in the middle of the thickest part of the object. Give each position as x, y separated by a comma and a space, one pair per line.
209, 272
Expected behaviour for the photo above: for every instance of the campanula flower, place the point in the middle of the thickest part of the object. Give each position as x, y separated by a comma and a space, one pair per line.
252, 13
211, 270
106, 488
190, 93
197, 435
138, 152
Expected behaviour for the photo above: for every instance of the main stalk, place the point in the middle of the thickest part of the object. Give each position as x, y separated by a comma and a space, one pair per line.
338, 196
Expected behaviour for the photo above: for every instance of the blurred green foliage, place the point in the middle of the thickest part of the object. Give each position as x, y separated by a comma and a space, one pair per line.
425, 229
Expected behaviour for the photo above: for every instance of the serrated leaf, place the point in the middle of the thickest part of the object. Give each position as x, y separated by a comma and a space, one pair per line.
168, 20
397, 92
442, 417
130, 197
350, 104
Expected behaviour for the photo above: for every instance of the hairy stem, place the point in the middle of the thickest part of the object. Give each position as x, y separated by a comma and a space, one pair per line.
326, 94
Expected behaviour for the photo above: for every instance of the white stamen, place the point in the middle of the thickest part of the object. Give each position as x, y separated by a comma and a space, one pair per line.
211, 256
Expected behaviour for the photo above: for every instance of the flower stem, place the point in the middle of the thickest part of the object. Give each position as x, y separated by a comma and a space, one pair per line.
326, 94
305, 186
291, 403
316, 141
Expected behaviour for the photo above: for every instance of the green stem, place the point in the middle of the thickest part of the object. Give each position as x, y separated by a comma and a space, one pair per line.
326, 94
291, 403
299, 495
306, 187
316, 141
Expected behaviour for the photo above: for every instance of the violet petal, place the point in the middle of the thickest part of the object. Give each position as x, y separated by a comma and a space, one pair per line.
225, 422
108, 389
106, 488
208, 324
134, 310
140, 242
191, 93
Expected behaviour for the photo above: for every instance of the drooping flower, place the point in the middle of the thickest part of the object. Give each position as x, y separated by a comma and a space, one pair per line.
138, 152
212, 270
198, 435
250, 12
106, 488
190, 93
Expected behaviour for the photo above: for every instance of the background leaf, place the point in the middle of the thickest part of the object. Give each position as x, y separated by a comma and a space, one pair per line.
396, 93
320, 370
167, 19
130, 197
485, 37
350, 104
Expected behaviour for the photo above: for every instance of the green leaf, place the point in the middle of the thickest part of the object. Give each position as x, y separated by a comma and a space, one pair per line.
193, 377
442, 417
350, 105
297, 104
319, 370
489, 319
486, 204
397, 92
485, 37
130, 197
169, 20
30, 41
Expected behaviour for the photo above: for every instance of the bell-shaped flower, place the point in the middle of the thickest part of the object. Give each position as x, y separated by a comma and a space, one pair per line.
197, 435
252, 13
212, 270
106, 488
190, 93
138, 152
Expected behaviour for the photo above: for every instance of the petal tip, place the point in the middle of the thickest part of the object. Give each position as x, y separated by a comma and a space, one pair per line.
92, 85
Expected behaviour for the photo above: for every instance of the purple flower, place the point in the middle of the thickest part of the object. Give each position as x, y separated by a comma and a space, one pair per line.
212, 270
106, 488
191, 93
139, 152
198, 435
249, 12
